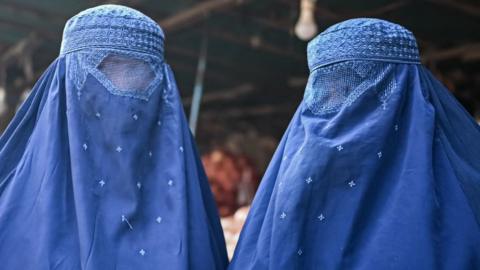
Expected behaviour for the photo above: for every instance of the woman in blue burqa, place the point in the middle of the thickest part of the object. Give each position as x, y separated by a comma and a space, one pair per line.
378, 169
98, 169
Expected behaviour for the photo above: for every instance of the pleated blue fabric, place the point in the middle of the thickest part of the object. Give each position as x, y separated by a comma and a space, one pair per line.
378, 169
98, 169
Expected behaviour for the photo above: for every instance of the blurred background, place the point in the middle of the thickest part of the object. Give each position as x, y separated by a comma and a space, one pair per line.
241, 67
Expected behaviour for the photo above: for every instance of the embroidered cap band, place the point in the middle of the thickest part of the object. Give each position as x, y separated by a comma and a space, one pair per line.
363, 39
110, 26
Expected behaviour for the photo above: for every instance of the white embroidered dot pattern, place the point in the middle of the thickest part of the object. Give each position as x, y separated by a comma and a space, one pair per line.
159, 219
101, 182
124, 219
321, 217
339, 148
283, 215
142, 252
170, 182
98, 115
379, 154
384, 105
308, 180
139, 185
396, 127
118, 149
181, 149
301, 148
159, 123
300, 252
85, 147
352, 184
150, 154
135, 117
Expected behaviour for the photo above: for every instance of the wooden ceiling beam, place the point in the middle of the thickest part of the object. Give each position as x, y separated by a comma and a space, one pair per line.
33, 12
326, 13
255, 44
281, 25
215, 62
197, 13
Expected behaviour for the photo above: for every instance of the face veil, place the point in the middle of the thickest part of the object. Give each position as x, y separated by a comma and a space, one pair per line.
378, 168
98, 167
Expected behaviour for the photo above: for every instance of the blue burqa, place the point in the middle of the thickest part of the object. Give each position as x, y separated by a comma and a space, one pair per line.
98, 169
378, 169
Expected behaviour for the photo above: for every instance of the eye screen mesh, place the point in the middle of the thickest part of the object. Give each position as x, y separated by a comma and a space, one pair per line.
127, 73
333, 87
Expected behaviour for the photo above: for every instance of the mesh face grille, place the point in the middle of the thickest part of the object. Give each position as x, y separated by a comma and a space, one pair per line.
339, 85
122, 73
127, 73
